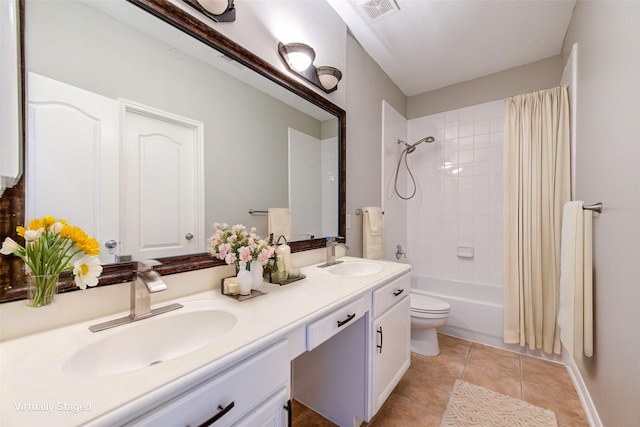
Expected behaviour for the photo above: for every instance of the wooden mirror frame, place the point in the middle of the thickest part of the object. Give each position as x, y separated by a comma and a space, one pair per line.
12, 211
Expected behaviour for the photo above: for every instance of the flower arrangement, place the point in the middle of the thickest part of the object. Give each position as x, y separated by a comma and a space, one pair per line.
50, 246
239, 246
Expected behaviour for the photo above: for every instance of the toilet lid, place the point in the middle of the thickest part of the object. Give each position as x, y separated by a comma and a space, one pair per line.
425, 303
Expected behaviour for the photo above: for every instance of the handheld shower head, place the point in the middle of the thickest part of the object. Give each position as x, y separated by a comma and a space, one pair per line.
411, 148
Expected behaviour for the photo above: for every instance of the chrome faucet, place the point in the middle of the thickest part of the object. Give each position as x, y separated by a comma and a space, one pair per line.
331, 251
146, 281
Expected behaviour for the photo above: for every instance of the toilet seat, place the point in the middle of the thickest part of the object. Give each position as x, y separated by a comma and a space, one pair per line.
423, 305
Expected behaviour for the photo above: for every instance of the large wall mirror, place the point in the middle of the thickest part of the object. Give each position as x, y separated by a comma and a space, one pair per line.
144, 126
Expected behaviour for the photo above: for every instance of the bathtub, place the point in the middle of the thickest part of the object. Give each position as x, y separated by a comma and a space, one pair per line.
476, 309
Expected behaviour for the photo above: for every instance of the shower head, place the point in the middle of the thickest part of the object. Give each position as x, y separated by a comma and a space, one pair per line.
411, 148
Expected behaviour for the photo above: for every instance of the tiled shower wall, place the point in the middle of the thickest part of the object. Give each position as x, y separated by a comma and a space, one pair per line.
458, 203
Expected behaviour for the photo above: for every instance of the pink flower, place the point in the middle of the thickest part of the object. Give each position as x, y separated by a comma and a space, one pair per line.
265, 254
230, 258
245, 254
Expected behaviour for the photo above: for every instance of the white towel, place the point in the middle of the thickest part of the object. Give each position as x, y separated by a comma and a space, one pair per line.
279, 220
372, 233
575, 314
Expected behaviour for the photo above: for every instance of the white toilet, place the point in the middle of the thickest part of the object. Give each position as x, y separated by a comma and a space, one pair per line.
427, 314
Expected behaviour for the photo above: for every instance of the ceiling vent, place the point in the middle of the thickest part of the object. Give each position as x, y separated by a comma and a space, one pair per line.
378, 8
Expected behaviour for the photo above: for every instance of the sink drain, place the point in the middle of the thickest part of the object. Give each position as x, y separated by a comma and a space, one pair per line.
157, 362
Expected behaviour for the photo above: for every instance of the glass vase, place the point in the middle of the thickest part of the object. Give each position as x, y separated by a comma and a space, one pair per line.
256, 273
245, 281
41, 289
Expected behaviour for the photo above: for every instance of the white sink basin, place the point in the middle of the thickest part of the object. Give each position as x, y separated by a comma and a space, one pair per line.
355, 268
149, 342
83, 354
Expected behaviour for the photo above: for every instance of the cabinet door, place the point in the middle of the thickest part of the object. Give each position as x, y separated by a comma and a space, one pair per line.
272, 413
392, 356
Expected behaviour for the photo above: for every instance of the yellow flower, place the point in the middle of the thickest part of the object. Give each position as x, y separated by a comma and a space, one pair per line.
91, 247
20, 230
48, 221
36, 224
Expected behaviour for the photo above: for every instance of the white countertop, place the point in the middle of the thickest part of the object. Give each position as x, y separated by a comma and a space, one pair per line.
34, 392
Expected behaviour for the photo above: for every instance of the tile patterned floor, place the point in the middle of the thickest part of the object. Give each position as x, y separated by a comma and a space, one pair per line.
421, 397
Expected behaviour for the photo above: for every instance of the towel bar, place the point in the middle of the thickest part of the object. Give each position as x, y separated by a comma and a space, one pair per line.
596, 207
256, 212
359, 211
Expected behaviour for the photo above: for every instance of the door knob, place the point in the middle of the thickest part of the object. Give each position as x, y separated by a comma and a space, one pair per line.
110, 244
188, 236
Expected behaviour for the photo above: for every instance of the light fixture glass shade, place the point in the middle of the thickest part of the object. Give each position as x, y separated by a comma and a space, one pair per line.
299, 55
300, 61
329, 77
215, 7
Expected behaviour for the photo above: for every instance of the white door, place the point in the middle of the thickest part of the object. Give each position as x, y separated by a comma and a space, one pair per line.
72, 158
162, 183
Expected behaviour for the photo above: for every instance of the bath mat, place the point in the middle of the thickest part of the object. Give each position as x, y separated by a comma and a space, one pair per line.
472, 405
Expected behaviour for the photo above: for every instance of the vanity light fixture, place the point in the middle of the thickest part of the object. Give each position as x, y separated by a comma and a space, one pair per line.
299, 57
218, 10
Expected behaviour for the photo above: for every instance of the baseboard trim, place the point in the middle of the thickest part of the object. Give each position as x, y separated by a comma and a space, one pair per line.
583, 393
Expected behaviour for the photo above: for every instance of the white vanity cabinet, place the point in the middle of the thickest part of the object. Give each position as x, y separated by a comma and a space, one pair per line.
390, 339
252, 393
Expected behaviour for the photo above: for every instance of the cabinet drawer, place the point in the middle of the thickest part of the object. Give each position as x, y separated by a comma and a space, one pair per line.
323, 329
391, 293
237, 391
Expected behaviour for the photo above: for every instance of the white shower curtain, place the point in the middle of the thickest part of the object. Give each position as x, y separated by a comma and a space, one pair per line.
537, 185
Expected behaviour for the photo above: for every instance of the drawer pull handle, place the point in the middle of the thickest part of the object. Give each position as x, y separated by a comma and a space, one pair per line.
347, 320
222, 412
398, 292
380, 346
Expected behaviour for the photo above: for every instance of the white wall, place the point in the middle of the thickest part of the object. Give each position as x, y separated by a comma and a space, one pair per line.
537, 75
367, 87
459, 197
607, 156
395, 209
